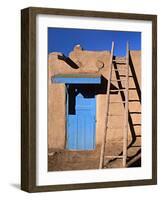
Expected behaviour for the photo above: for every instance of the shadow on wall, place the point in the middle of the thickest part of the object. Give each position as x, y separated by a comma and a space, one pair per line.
135, 160
68, 61
137, 157
135, 78
87, 90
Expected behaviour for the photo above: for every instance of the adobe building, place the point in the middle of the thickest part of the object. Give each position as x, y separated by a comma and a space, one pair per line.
77, 95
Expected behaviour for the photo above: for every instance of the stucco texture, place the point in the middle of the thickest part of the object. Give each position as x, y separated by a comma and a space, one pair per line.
91, 62
97, 62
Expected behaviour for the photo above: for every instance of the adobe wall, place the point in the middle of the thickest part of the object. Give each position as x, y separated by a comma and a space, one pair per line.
88, 62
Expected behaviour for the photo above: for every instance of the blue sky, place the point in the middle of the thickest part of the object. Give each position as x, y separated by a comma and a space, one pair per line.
64, 39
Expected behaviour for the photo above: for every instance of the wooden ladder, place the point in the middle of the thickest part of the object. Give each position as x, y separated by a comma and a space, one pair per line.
124, 62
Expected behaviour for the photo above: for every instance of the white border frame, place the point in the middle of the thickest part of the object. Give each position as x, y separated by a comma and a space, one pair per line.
43, 177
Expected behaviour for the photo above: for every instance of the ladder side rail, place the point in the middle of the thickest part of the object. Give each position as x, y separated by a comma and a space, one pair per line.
125, 133
101, 163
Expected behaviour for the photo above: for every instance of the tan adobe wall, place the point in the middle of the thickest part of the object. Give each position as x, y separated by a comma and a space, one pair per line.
56, 92
91, 62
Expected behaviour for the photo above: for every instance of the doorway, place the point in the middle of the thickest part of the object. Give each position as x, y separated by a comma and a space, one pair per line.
81, 117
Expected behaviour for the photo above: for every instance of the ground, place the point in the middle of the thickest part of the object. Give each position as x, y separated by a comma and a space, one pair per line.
61, 160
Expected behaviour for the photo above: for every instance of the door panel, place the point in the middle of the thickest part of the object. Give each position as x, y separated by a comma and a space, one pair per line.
72, 129
80, 120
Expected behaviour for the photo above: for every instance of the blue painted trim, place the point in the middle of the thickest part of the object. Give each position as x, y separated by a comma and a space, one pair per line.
79, 80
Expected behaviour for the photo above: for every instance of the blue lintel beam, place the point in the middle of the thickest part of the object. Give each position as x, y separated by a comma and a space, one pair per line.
91, 79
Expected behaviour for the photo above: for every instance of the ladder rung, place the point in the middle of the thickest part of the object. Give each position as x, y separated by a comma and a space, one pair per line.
119, 69
117, 102
120, 57
118, 60
113, 156
120, 63
114, 115
118, 80
117, 90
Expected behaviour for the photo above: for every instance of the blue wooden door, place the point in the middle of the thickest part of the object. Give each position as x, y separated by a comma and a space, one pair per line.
81, 115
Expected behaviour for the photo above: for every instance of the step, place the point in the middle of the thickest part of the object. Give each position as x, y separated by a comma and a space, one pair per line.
119, 61
117, 102
118, 90
113, 156
114, 115
119, 70
118, 80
